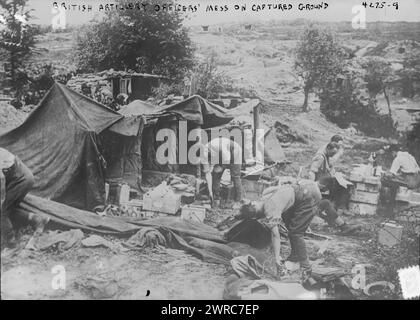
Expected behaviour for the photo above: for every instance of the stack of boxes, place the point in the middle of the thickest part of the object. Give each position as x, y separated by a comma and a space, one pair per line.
364, 197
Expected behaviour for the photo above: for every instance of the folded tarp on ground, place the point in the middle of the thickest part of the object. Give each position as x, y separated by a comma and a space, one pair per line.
70, 217
195, 238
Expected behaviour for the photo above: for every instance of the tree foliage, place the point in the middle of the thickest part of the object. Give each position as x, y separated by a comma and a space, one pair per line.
210, 81
378, 75
319, 59
146, 41
348, 102
410, 73
204, 79
17, 36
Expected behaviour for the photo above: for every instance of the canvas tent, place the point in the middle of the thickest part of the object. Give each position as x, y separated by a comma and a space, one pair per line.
59, 142
197, 112
137, 107
66, 139
200, 112
194, 109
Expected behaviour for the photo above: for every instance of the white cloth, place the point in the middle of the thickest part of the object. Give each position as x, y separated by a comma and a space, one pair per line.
7, 159
405, 163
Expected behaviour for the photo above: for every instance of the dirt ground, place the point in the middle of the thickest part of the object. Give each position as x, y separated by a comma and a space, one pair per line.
113, 275
162, 273
174, 274
99, 273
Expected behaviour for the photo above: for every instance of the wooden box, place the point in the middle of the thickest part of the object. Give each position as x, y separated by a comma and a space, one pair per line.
162, 199
365, 197
390, 234
362, 209
361, 186
360, 176
194, 213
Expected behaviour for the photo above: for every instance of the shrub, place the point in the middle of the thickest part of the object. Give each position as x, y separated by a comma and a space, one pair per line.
346, 102
142, 40
209, 80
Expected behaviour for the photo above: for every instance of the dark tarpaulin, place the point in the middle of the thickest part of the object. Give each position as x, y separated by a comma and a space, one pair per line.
128, 126
57, 142
200, 111
196, 238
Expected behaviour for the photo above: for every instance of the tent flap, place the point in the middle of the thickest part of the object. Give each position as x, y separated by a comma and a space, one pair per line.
200, 111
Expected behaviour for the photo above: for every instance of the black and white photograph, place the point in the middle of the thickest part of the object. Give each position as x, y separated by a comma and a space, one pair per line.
190, 150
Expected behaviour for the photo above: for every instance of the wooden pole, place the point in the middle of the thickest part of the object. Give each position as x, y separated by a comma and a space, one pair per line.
256, 113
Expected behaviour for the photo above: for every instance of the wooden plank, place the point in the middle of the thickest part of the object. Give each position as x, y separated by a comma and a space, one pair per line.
413, 198
362, 209
365, 197
356, 177
359, 177
361, 186
373, 180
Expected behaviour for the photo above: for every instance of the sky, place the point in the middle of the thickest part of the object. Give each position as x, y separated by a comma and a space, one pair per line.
337, 10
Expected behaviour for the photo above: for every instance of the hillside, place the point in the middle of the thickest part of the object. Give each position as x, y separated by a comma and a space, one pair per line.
261, 60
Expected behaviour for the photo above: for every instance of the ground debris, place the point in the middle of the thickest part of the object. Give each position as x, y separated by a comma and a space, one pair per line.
99, 287
146, 237
95, 241
286, 135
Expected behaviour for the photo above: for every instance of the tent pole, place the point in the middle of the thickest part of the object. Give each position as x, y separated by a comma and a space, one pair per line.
198, 172
256, 113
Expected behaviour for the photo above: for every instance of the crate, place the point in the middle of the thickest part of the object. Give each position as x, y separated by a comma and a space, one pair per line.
365, 197
359, 175
194, 213
390, 234
132, 208
406, 195
362, 209
162, 199
361, 186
